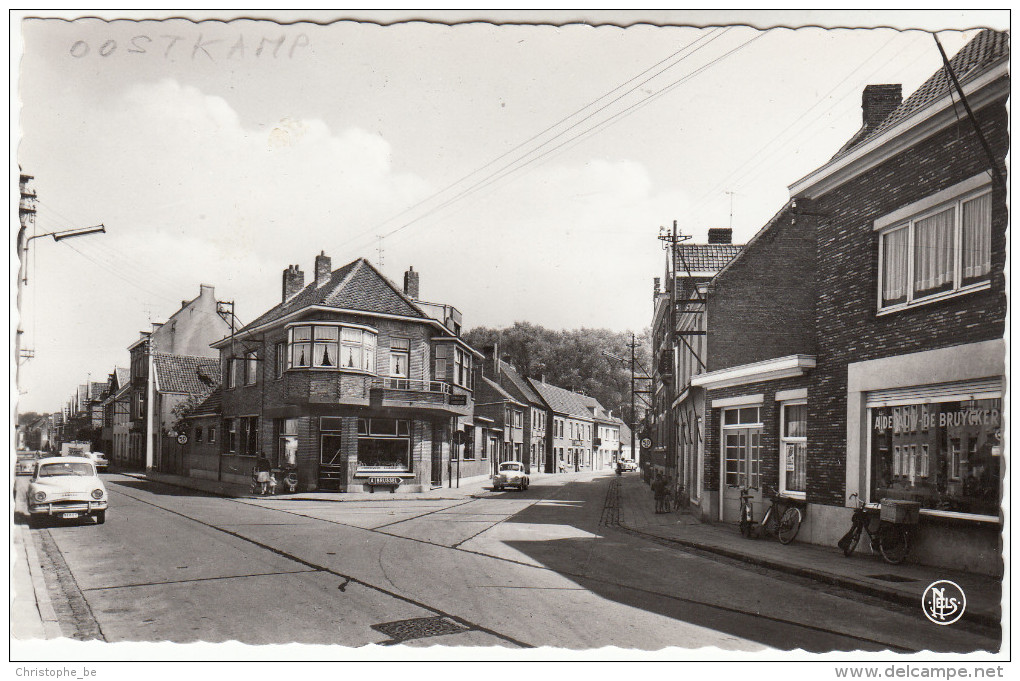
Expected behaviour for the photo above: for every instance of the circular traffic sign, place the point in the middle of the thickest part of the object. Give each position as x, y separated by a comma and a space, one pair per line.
646, 443
182, 439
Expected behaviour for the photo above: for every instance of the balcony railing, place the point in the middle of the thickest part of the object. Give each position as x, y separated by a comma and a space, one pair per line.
411, 385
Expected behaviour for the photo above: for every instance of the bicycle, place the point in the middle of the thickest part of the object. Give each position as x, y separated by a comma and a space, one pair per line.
889, 539
782, 518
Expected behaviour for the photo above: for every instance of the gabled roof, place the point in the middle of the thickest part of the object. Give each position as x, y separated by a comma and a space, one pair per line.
123, 376
982, 52
98, 388
562, 401
496, 388
701, 258
186, 374
355, 286
211, 405
519, 382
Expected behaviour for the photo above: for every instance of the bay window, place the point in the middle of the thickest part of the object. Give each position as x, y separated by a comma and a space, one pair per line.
331, 346
461, 368
936, 247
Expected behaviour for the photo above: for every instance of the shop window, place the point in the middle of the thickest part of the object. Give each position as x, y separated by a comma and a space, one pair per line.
793, 449
384, 444
941, 250
469, 443
288, 442
945, 455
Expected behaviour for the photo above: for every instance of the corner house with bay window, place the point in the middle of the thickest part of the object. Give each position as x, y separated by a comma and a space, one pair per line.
905, 401
352, 381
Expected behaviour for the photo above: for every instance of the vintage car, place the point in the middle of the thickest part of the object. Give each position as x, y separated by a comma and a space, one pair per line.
511, 474
66, 487
102, 463
627, 465
25, 464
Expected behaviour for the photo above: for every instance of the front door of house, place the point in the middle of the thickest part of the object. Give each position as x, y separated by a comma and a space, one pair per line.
741, 460
437, 455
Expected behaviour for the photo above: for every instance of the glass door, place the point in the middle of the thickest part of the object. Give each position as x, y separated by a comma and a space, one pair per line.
741, 459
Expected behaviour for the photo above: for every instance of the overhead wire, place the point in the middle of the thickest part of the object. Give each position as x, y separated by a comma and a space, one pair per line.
708, 37
510, 169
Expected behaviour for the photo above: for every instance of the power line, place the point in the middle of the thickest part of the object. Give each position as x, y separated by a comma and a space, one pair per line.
707, 37
509, 169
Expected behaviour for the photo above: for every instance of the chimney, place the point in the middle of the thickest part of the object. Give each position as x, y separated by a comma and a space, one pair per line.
878, 101
293, 282
720, 235
411, 289
490, 368
323, 269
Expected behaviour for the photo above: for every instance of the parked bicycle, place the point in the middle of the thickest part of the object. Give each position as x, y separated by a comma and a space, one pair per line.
890, 539
782, 518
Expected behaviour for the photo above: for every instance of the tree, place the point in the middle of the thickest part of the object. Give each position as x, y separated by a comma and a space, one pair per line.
572, 359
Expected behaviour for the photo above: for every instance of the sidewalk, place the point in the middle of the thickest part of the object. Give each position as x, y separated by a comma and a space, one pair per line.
480, 486
861, 572
32, 615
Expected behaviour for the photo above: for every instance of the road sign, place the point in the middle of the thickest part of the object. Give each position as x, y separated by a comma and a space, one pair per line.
182, 439
646, 443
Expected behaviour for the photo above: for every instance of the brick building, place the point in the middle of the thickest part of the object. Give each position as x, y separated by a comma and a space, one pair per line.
694, 267
356, 380
905, 400
742, 409
571, 427
527, 414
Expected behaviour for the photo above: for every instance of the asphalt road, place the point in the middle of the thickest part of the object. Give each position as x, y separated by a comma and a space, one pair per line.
513, 569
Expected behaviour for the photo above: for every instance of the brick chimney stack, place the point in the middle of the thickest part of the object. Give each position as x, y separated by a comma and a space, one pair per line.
878, 101
720, 235
293, 282
411, 289
323, 269
490, 368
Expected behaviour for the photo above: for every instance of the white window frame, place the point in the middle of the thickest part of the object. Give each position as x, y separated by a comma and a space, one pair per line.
952, 198
783, 441
368, 344
406, 354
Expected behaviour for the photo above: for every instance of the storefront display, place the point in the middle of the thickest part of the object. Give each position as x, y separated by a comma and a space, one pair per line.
947, 455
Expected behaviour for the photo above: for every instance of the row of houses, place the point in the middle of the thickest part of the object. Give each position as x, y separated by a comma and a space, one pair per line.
350, 382
855, 345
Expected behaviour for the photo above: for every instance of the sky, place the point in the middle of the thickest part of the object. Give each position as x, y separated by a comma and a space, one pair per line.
523, 170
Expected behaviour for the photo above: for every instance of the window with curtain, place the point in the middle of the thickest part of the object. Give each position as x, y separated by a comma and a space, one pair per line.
937, 252
400, 357
331, 346
793, 449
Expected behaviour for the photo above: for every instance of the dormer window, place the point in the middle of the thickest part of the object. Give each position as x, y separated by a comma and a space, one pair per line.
331, 346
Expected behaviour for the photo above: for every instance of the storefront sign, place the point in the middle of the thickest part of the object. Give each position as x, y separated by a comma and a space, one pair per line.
458, 400
384, 481
912, 420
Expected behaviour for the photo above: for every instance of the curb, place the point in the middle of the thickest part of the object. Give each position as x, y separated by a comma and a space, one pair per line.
817, 575
51, 625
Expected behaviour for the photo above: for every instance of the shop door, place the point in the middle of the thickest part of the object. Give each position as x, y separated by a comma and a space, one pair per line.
742, 466
332, 463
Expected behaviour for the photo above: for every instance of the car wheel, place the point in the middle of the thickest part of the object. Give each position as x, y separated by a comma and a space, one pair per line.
497, 488
100, 517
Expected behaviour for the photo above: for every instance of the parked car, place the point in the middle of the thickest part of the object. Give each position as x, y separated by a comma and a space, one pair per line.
627, 465
67, 487
511, 474
25, 464
99, 459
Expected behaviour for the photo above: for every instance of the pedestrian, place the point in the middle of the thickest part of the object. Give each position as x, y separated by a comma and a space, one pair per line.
263, 472
658, 489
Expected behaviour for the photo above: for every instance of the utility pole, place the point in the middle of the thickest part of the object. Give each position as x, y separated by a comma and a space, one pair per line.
380, 250
26, 213
670, 242
633, 387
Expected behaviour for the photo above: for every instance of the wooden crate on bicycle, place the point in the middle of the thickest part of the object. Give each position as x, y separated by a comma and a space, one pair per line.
900, 512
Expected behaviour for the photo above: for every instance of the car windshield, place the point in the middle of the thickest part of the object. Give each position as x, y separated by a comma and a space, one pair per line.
510, 467
52, 470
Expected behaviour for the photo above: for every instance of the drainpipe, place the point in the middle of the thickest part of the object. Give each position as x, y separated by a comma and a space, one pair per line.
150, 404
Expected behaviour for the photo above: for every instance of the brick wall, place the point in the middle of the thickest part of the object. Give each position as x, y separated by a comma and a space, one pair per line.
848, 329
762, 306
